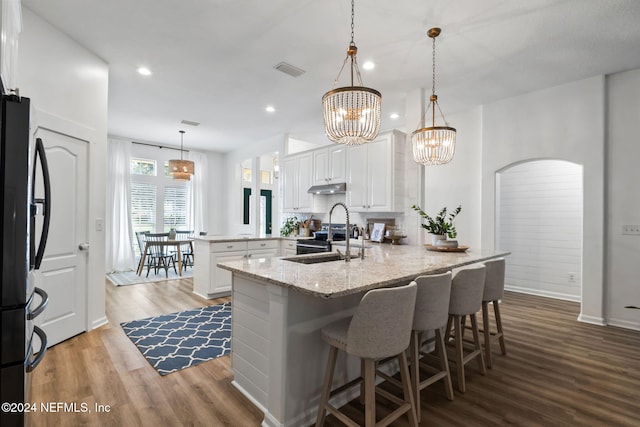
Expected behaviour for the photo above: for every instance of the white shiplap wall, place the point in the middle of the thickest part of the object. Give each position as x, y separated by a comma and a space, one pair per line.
540, 221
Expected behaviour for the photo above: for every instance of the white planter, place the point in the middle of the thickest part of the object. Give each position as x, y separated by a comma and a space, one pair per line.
447, 243
436, 237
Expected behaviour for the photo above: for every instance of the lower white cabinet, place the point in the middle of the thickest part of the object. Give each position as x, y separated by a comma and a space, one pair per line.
287, 247
210, 281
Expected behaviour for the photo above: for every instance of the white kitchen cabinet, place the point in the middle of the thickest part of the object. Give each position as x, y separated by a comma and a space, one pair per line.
297, 174
210, 281
263, 249
329, 165
287, 247
375, 175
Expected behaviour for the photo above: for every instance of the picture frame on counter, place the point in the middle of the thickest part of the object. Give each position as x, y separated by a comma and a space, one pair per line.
377, 233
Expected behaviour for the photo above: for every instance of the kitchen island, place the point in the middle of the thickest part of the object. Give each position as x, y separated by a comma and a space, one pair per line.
279, 307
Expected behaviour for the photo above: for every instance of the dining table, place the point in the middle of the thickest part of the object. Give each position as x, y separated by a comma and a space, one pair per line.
166, 243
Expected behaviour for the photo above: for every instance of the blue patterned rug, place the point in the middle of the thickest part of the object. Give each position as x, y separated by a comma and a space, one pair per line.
178, 340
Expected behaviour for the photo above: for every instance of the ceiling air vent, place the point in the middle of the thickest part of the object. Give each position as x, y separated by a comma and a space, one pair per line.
190, 123
289, 69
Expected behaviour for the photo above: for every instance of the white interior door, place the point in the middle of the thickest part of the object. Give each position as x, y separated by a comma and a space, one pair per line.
63, 273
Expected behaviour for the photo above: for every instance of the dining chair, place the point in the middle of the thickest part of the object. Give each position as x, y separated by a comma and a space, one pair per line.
140, 236
186, 249
160, 256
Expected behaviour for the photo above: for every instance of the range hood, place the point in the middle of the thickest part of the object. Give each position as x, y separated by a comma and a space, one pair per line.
340, 187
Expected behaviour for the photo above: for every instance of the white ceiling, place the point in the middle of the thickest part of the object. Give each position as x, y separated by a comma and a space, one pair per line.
212, 60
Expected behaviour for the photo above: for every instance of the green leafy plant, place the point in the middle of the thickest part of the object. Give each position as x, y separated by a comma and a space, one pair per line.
441, 224
289, 226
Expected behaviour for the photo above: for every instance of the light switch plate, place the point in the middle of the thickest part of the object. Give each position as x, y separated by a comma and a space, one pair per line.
632, 230
99, 224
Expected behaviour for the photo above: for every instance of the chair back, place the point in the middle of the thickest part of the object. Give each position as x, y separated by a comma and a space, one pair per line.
381, 325
432, 302
494, 280
184, 235
157, 250
140, 235
467, 288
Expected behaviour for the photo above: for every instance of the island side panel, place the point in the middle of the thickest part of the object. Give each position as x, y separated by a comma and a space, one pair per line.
278, 354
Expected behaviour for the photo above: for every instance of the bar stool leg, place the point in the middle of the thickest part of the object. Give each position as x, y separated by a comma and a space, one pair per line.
326, 388
414, 350
444, 366
459, 352
486, 329
476, 342
496, 311
369, 393
406, 387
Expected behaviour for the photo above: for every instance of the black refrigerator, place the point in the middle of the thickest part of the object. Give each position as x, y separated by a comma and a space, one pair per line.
22, 343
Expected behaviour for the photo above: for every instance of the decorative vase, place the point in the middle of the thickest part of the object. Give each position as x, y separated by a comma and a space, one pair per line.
437, 237
172, 234
447, 243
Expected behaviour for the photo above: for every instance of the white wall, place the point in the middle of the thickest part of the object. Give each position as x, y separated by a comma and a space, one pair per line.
459, 181
65, 80
568, 123
623, 202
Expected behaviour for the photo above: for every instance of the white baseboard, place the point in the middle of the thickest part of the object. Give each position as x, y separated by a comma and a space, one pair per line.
542, 293
99, 322
624, 324
592, 320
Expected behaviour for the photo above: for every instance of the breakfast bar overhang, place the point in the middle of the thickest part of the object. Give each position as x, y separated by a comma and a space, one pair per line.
279, 307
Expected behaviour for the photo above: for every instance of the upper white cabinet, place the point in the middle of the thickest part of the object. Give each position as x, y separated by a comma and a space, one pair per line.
297, 174
375, 175
329, 165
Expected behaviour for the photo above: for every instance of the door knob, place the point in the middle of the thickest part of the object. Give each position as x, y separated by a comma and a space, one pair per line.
84, 246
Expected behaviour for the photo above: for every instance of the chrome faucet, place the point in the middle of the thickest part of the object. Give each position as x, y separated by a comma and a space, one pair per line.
347, 237
361, 252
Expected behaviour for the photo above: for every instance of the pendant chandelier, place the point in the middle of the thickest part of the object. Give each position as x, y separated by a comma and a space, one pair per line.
352, 113
433, 145
181, 169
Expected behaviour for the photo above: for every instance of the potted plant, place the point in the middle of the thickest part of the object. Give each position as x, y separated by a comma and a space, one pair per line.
441, 226
289, 227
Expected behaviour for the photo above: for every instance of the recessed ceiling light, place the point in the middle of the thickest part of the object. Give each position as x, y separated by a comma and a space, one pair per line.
394, 116
368, 65
270, 109
144, 71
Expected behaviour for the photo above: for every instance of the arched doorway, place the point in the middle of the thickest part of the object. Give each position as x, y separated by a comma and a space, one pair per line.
539, 206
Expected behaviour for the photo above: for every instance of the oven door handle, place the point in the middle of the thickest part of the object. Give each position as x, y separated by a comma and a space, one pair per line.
43, 349
302, 245
43, 304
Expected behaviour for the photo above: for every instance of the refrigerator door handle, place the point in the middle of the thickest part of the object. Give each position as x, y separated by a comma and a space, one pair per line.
43, 304
43, 349
46, 202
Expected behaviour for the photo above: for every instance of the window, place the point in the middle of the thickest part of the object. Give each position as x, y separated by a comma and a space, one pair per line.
175, 208
143, 167
158, 202
143, 209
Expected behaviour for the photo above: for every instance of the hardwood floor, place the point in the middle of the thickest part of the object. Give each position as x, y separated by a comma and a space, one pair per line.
558, 372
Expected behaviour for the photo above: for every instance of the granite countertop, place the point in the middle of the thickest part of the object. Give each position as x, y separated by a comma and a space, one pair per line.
384, 265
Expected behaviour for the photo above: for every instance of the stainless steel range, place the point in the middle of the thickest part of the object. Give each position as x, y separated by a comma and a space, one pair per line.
321, 242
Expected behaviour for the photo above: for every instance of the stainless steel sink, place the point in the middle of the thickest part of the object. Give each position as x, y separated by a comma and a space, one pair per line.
315, 259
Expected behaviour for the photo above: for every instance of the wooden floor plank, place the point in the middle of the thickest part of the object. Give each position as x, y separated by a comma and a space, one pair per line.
558, 372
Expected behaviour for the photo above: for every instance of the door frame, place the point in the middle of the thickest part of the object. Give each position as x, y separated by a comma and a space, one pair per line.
94, 304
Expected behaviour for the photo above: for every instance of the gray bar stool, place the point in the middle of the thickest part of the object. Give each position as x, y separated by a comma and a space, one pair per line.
431, 314
493, 293
467, 288
379, 328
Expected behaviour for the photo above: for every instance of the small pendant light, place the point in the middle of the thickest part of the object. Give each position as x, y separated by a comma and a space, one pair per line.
181, 169
433, 145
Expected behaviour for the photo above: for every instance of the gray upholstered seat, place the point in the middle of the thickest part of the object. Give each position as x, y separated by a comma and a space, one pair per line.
467, 288
493, 293
379, 328
431, 314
